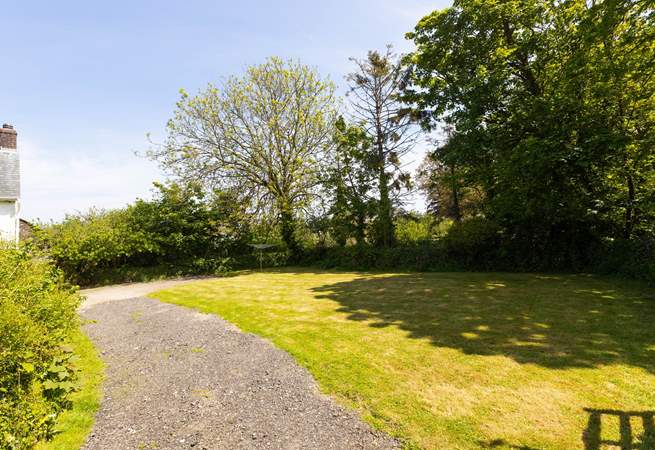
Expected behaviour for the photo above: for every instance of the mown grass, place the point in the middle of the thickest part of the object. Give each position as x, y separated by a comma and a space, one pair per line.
74, 425
460, 360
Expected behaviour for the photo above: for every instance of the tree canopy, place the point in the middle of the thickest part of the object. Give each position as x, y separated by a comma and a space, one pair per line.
263, 135
553, 110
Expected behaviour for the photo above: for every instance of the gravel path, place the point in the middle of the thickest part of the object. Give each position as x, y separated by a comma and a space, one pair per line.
127, 291
177, 379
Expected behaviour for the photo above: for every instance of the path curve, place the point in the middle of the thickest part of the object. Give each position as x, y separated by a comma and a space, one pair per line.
178, 379
127, 291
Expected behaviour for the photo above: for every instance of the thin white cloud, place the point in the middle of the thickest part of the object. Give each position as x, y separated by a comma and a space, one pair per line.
54, 184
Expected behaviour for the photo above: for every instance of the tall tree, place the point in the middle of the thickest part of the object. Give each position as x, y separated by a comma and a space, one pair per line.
375, 90
263, 135
553, 107
616, 57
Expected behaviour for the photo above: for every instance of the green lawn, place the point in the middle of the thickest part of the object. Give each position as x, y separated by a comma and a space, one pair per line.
74, 425
460, 360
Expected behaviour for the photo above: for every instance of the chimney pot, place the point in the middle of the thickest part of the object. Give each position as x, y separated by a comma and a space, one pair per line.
8, 137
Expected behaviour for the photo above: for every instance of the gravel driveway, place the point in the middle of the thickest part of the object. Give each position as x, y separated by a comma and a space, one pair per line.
177, 378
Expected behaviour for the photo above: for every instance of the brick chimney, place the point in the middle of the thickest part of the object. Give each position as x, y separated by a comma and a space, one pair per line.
7, 137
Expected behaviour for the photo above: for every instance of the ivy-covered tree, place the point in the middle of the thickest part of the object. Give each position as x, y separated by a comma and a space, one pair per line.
263, 135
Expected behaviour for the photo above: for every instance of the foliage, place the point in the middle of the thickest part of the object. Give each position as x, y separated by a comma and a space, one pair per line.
263, 136
412, 228
350, 180
417, 257
474, 244
552, 107
181, 230
630, 258
478, 244
548, 111
184, 225
74, 424
86, 243
447, 193
37, 371
456, 360
375, 90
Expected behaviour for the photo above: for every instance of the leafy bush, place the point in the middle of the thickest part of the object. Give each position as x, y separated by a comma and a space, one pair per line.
182, 230
628, 258
37, 314
480, 244
414, 228
473, 243
85, 244
185, 231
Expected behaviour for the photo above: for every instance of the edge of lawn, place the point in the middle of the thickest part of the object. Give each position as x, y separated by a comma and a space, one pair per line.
74, 425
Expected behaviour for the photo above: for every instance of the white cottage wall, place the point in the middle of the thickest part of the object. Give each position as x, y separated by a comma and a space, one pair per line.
9, 221
9, 185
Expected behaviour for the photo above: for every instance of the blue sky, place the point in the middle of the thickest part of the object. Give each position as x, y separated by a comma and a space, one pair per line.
84, 82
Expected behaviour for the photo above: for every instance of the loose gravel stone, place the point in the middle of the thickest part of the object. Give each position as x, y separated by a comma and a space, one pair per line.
180, 379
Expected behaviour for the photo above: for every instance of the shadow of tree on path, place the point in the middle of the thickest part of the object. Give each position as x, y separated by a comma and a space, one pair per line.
555, 322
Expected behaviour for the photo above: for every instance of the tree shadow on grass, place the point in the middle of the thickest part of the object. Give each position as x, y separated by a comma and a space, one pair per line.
555, 322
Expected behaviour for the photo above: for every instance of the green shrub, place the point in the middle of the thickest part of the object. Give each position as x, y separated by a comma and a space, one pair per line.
473, 243
180, 231
85, 244
627, 258
480, 244
415, 228
37, 314
421, 257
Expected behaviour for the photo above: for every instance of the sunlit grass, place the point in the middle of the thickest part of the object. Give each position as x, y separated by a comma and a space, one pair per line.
74, 425
456, 360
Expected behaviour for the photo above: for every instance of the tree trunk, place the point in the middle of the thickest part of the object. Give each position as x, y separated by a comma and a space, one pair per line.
340, 217
288, 228
522, 62
629, 209
457, 213
360, 228
385, 234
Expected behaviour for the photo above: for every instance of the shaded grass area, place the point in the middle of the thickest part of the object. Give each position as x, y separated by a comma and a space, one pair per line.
461, 360
74, 425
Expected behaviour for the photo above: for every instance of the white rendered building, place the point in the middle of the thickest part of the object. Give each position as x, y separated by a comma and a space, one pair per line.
9, 185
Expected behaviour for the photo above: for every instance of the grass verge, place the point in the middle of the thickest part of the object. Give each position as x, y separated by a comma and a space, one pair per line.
74, 424
461, 360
